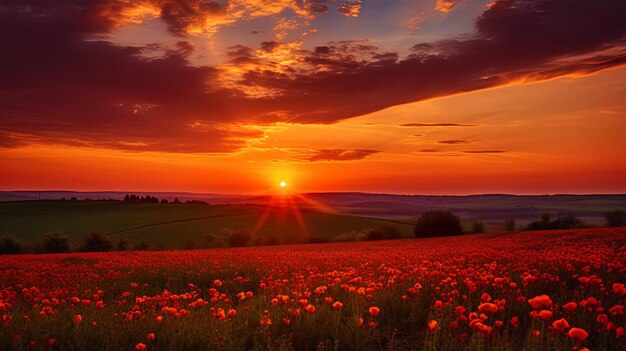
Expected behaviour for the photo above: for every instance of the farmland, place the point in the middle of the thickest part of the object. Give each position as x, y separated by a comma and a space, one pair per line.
172, 225
528, 290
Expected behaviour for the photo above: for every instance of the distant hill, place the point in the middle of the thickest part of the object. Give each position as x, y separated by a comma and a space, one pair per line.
174, 225
492, 209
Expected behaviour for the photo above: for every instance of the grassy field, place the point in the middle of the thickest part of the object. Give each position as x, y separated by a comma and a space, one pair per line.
172, 225
551, 290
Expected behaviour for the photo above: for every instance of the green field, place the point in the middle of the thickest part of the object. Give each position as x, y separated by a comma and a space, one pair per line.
171, 225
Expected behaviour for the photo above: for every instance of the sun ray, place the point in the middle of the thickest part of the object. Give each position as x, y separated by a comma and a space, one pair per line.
298, 215
315, 204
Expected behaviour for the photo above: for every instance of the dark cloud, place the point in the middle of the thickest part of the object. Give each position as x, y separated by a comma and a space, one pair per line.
454, 141
269, 46
484, 151
436, 125
339, 155
566, 36
430, 150
318, 7
62, 81
183, 15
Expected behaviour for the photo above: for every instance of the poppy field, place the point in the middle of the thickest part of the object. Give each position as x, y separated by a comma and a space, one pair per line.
551, 290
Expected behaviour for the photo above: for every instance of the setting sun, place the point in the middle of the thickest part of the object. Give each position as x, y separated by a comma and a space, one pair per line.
283, 184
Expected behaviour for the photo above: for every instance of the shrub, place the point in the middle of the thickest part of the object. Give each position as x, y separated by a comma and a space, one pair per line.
567, 222
188, 245
239, 238
9, 245
215, 240
346, 237
122, 244
478, 227
564, 222
97, 241
383, 233
510, 224
55, 243
141, 245
615, 218
437, 223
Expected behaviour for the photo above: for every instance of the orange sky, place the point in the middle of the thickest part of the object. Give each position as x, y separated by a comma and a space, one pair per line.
559, 136
232, 96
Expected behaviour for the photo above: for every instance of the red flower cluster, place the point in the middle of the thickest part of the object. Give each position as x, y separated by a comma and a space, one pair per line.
556, 289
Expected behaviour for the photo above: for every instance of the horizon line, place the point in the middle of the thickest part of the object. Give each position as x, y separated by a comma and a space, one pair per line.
314, 192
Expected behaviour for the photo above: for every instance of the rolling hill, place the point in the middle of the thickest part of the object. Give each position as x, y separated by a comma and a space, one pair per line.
174, 225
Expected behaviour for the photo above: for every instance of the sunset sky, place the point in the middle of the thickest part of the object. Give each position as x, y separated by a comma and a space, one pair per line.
234, 96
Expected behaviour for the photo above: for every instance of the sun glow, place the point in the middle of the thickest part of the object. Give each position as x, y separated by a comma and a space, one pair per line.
283, 184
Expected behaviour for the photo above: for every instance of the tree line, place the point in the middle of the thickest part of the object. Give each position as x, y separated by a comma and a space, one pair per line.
155, 200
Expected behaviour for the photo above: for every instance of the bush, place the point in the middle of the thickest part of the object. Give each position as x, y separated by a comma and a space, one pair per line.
567, 222
215, 240
564, 222
510, 224
478, 227
239, 238
188, 245
346, 237
97, 241
437, 223
55, 243
9, 245
383, 233
141, 245
122, 244
615, 218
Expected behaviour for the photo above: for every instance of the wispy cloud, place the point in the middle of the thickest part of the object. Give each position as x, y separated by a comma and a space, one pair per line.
484, 151
436, 125
454, 141
339, 154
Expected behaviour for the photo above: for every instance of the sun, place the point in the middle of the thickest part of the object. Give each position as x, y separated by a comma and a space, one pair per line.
283, 184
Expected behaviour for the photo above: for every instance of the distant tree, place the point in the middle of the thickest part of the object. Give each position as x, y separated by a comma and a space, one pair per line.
9, 245
346, 237
239, 238
55, 243
127, 198
141, 245
176, 201
545, 219
567, 222
122, 244
164, 201
563, 222
478, 227
383, 233
97, 241
437, 223
510, 224
216, 240
615, 218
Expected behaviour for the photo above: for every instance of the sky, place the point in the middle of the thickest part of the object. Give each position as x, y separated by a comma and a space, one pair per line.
234, 96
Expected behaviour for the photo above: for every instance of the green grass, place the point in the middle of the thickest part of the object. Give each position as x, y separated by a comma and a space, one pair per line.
171, 225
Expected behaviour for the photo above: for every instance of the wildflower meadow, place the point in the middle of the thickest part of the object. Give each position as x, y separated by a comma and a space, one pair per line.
551, 290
